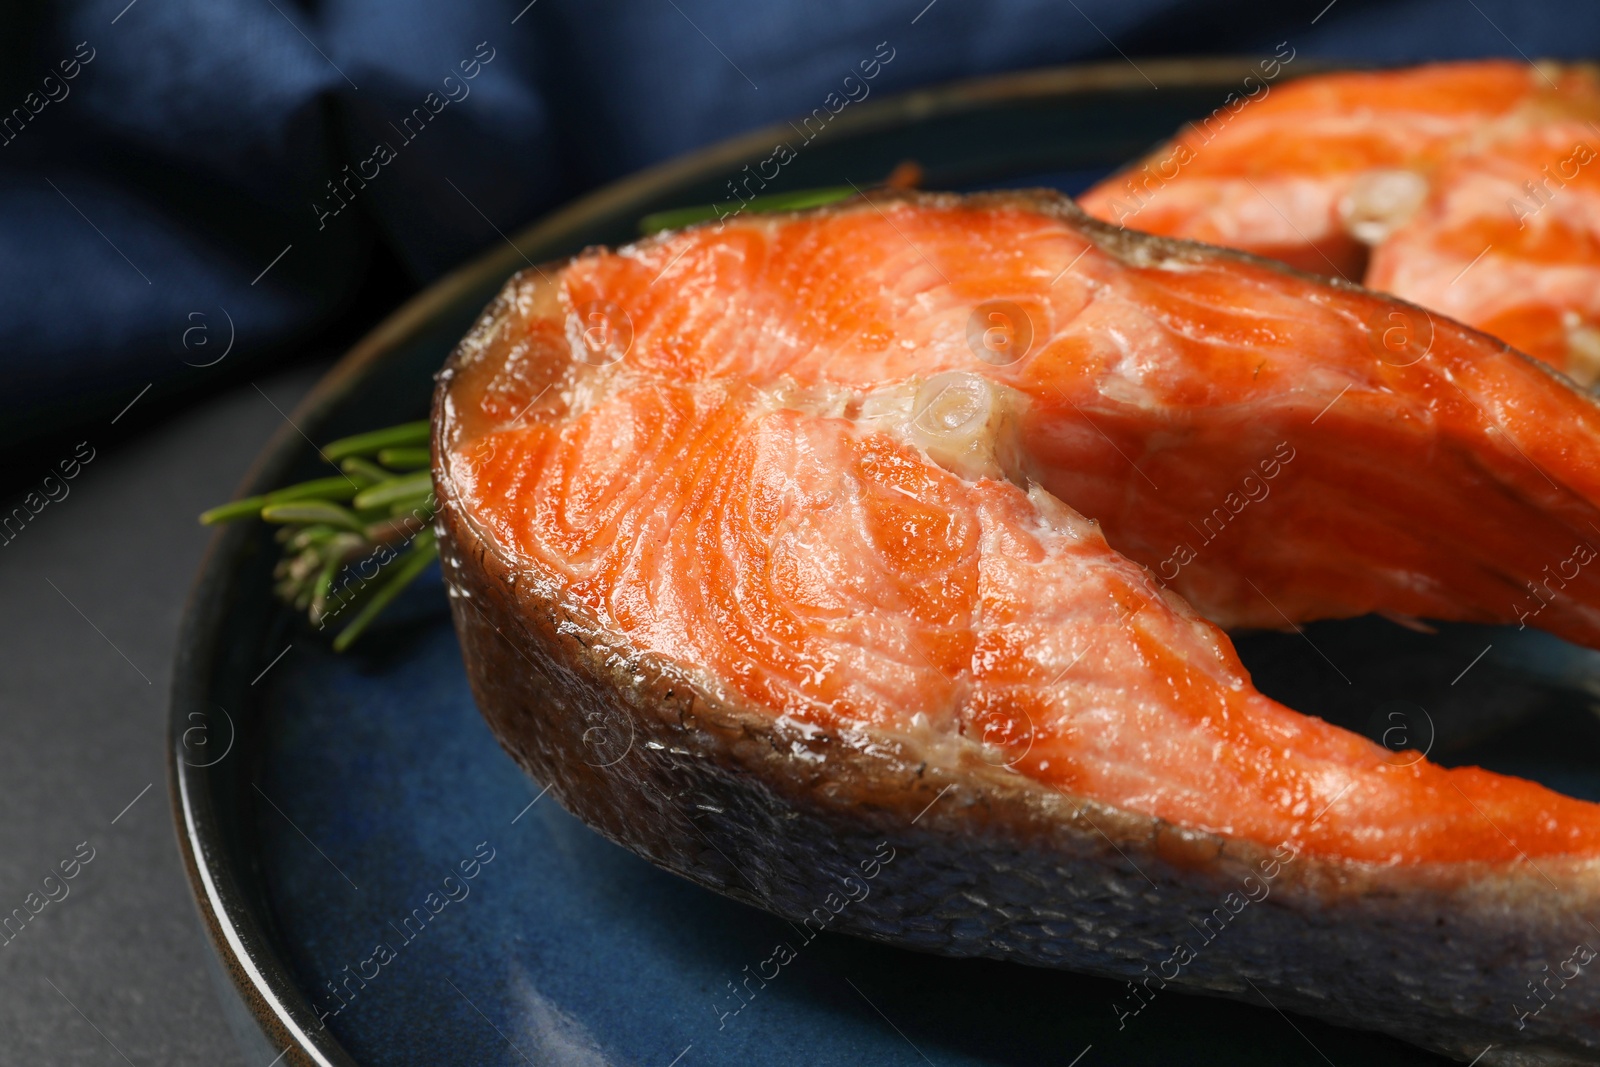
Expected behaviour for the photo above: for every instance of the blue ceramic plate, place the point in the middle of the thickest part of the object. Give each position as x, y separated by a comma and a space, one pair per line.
385, 887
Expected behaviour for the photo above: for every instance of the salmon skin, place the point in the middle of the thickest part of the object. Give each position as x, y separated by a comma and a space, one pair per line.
1470, 188
780, 546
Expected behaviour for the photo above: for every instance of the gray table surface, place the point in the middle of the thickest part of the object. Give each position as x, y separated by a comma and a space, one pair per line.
93, 587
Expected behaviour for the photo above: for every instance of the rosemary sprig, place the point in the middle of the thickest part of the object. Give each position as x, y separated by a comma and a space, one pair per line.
677, 218
376, 516
906, 175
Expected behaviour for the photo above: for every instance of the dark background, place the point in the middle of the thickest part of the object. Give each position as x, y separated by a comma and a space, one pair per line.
165, 202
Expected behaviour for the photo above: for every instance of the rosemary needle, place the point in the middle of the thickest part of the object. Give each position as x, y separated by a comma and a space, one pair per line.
404, 459
335, 488
247, 508
367, 444
418, 484
364, 471
795, 201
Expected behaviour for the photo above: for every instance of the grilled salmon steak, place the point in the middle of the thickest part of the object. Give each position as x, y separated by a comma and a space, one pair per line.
1470, 188
912, 524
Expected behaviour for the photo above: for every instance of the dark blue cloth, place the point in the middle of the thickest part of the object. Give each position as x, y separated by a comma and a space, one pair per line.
143, 197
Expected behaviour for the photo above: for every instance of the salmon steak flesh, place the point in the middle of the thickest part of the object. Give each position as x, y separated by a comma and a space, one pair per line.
1470, 188
888, 550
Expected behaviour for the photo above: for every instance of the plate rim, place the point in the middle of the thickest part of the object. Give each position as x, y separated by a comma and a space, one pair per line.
247, 950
